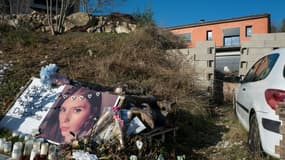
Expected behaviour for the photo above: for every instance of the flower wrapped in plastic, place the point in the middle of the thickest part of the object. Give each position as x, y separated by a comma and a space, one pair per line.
81, 155
49, 76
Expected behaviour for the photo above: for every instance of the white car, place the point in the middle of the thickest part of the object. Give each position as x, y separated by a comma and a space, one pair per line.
255, 100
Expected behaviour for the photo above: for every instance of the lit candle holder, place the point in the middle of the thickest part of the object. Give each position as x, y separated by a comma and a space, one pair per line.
2, 141
34, 153
7, 147
28, 148
44, 150
51, 152
37, 145
17, 150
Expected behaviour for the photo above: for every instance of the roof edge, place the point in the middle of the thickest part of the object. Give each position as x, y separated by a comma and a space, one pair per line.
265, 15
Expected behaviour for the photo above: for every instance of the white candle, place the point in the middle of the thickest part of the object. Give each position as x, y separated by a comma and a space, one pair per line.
37, 145
7, 147
28, 147
51, 152
2, 141
17, 150
133, 157
34, 153
44, 149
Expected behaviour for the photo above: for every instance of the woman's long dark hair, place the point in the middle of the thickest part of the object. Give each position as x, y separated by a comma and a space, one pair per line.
49, 128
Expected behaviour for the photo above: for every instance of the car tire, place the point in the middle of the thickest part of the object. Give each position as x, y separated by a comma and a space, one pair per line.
254, 142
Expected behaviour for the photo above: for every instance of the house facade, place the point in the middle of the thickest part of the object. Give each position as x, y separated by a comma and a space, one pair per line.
216, 49
225, 33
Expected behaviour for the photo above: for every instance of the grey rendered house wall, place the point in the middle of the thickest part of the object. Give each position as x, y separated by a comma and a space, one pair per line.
258, 46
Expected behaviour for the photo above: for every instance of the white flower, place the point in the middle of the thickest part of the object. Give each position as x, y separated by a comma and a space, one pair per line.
46, 73
81, 155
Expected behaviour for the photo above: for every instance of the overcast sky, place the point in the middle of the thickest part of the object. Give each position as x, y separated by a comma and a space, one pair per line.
167, 13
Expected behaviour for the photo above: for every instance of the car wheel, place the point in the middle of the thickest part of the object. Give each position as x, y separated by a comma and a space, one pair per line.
254, 143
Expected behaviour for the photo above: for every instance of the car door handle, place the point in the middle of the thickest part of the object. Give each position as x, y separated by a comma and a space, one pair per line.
243, 89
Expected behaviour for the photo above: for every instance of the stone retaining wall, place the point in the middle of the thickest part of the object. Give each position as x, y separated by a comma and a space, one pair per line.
80, 21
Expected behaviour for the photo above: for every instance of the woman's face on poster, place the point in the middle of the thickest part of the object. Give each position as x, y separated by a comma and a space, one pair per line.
74, 112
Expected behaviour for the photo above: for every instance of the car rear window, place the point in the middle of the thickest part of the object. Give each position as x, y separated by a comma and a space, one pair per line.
268, 65
261, 69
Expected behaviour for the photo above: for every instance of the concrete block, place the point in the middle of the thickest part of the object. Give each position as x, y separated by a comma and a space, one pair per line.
204, 57
205, 44
280, 36
258, 52
251, 44
266, 36
274, 44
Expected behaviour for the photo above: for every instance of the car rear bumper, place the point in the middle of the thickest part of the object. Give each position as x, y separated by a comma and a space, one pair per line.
269, 133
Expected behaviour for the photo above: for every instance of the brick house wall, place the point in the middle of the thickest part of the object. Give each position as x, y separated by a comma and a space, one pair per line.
258, 23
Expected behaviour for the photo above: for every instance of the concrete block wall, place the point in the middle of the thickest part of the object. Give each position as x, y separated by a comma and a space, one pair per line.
201, 59
258, 46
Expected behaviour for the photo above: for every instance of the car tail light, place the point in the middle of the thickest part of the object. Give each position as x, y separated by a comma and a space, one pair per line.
274, 96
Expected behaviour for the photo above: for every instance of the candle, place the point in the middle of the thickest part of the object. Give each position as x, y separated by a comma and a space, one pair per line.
37, 145
17, 150
7, 147
28, 148
133, 157
34, 153
51, 152
2, 141
44, 150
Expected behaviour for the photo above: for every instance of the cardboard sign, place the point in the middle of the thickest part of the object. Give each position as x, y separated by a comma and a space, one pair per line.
30, 108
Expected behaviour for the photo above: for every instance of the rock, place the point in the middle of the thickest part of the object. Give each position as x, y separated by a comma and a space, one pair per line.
68, 26
13, 22
77, 20
113, 23
132, 26
122, 28
90, 52
91, 29
226, 144
108, 28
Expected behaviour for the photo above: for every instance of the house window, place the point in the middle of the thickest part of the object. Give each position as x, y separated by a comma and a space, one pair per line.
231, 41
186, 37
231, 37
209, 36
248, 31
